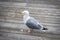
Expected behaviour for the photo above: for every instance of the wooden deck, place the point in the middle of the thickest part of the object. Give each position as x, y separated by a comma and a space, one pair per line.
47, 12
17, 34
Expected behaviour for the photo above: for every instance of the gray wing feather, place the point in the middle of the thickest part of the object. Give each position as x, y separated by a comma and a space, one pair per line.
34, 24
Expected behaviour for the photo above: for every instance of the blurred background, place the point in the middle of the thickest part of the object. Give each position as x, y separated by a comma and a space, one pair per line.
47, 12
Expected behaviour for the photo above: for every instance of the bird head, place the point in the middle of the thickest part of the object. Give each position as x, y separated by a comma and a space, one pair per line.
25, 12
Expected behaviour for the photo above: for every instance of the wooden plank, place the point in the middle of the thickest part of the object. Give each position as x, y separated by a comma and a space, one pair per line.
54, 2
14, 36
34, 33
12, 4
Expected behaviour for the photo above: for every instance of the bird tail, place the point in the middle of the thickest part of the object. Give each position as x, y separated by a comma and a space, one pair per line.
45, 28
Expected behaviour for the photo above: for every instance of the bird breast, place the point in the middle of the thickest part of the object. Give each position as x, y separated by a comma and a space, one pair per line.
25, 18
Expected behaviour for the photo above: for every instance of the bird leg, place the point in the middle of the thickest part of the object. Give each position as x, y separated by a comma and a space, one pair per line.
30, 30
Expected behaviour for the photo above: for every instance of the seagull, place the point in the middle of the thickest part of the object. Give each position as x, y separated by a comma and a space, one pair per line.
31, 22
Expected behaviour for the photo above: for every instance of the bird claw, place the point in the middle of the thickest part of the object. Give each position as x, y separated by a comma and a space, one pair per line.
29, 31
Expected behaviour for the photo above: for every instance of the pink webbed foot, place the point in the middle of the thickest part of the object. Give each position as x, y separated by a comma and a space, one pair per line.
30, 30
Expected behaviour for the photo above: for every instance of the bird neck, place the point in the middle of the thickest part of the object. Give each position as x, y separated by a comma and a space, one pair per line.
25, 18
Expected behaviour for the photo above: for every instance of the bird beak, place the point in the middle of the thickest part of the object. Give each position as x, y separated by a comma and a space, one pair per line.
19, 12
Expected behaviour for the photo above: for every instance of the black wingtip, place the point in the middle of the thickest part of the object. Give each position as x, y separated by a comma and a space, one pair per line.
45, 29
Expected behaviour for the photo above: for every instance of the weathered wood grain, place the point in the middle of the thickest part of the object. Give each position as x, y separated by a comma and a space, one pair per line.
47, 12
